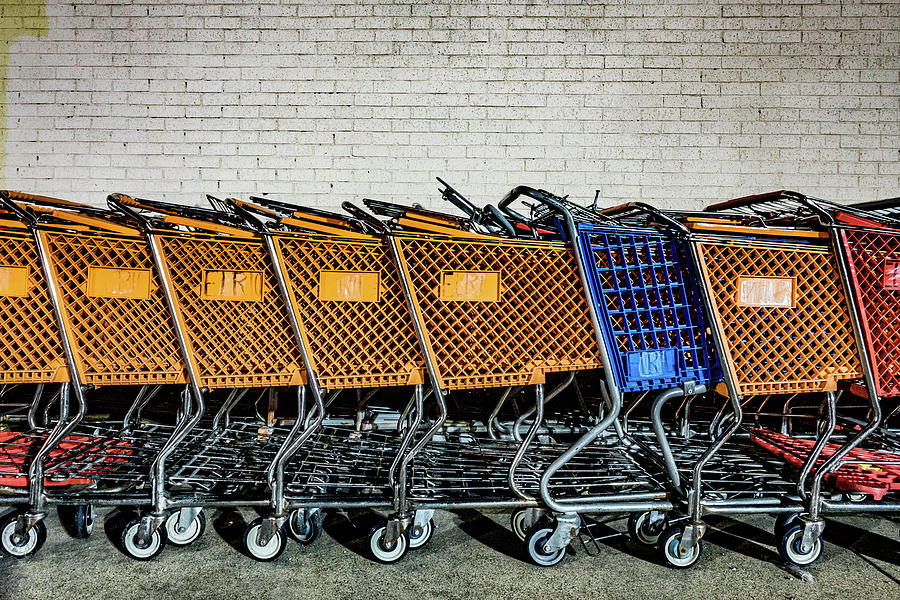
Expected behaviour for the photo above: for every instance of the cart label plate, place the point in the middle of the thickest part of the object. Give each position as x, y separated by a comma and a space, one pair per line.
109, 282
470, 286
349, 286
651, 364
891, 275
767, 292
14, 281
241, 286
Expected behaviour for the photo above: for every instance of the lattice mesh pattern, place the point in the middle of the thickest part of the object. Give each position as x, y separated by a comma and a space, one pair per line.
30, 346
352, 343
540, 323
236, 343
875, 269
118, 340
807, 346
647, 293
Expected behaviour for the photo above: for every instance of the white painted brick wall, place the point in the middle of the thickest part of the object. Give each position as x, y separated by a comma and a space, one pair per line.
668, 101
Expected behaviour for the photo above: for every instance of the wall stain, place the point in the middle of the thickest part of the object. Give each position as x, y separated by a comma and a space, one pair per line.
18, 18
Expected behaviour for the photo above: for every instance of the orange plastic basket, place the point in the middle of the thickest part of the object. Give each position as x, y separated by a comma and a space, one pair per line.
780, 311
114, 310
30, 345
349, 302
231, 310
498, 313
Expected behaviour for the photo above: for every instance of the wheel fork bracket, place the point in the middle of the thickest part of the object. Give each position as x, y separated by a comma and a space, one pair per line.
566, 530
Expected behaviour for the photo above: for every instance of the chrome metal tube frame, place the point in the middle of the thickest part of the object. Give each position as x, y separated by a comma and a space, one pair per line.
734, 399
65, 424
440, 400
610, 390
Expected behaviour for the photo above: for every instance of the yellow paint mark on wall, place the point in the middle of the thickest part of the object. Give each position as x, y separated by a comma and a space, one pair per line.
18, 18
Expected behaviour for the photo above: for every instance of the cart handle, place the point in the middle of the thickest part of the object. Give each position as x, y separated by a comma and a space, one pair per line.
458, 200
176, 214
662, 216
289, 208
180, 210
235, 208
16, 209
475, 214
884, 204
365, 217
755, 199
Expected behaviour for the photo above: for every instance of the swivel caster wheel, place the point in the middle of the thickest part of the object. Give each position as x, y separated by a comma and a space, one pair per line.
673, 553
263, 552
790, 550
517, 523
77, 519
419, 536
382, 551
535, 543
28, 545
142, 550
783, 522
304, 527
178, 536
643, 531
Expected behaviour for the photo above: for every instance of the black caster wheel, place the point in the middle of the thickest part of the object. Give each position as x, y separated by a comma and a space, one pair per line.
146, 550
305, 529
383, 552
534, 545
263, 552
77, 519
188, 535
673, 553
28, 545
789, 547
643, 531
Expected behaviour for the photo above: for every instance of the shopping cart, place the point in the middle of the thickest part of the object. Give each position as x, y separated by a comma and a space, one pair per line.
119, 336
32, 357
866, 240
113, 333
644, 297
234, 332
346, 295
782, 326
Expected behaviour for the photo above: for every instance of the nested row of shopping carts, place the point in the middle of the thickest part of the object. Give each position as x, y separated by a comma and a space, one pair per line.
556, 361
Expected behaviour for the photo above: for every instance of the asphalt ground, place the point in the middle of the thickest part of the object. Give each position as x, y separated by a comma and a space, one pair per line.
472, 555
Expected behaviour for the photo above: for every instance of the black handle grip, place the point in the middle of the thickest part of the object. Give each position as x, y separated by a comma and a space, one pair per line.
365, 217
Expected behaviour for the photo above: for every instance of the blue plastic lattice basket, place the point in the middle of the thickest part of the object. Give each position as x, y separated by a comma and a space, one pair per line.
649, 308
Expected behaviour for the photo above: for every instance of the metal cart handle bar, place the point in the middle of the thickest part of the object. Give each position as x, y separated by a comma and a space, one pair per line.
396, 211
642, 207
828, 214
749, 201
287, 209
886, 204
476, 215
365, 217
45, 210
179, 210
501, 219
546, 198
341, 226
204, 219
309, 215
458, 200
